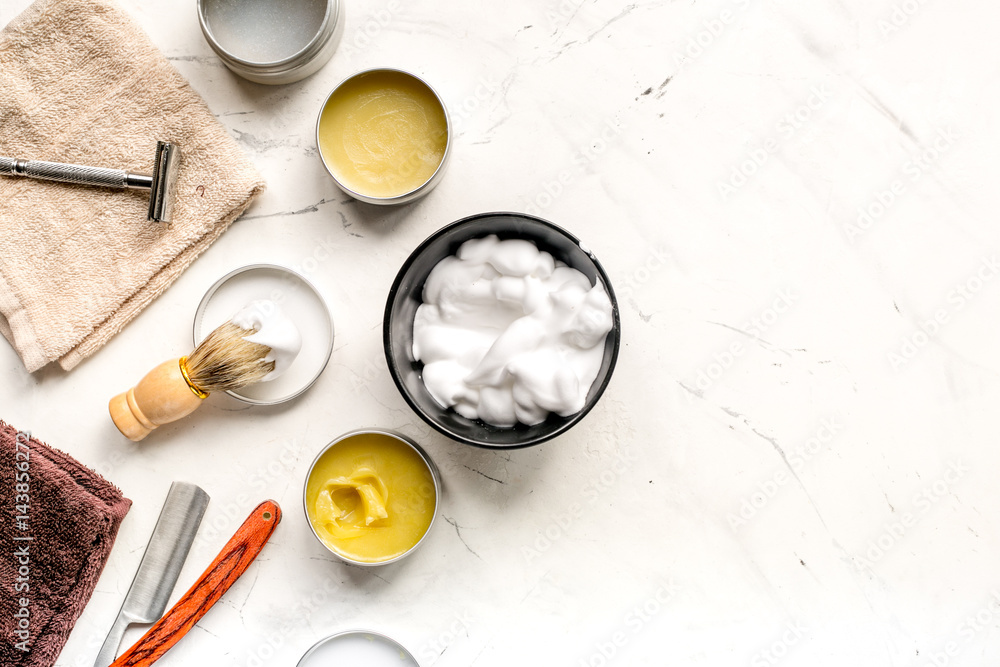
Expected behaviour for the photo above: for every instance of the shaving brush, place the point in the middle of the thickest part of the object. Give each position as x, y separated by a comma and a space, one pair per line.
225, 360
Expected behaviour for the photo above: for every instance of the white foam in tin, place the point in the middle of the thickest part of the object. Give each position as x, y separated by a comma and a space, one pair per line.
299, 301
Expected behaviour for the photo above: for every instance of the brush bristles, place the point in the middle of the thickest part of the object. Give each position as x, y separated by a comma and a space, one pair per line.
224, 360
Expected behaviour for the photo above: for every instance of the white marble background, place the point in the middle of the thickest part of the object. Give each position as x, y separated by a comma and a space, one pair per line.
795, 461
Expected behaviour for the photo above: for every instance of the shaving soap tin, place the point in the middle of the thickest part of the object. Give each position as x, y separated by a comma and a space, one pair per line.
358, 647
300, 302
272, 41
406, 495
384, 135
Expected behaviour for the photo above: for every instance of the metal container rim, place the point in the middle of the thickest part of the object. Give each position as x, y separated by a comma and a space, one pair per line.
404, 197
371, 633
425, 457
203, 305
330, 18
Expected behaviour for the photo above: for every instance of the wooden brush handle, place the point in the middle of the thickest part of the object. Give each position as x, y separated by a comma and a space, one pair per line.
231, 562
161, 397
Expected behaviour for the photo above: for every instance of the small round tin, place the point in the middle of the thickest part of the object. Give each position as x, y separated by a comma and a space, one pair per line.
435, 476
419, 190
298, 300
272, 41
358, 647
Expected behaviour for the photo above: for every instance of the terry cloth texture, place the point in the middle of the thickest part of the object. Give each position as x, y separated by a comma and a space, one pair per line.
59, 522
81, 83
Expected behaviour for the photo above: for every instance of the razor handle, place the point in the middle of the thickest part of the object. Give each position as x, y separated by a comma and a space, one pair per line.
75, 173
232, 561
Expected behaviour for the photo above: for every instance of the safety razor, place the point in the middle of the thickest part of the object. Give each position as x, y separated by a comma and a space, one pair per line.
160, 185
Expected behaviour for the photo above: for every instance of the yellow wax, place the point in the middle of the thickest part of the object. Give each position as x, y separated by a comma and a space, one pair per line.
370, 497
383, 133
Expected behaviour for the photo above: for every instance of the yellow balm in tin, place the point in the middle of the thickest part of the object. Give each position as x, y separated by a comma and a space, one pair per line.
383, 134
371, 497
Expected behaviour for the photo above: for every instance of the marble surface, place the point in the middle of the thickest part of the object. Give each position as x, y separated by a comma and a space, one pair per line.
792, 464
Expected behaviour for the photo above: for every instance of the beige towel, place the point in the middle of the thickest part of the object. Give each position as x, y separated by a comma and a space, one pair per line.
80, 82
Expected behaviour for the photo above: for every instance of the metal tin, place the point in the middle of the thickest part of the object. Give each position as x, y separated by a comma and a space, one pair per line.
272, 41
435, 475
406, 197
298, 299
372, 649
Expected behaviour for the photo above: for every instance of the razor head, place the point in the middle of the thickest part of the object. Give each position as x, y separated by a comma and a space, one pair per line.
164, 182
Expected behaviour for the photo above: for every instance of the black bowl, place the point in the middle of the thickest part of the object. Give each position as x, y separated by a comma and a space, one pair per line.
406, 295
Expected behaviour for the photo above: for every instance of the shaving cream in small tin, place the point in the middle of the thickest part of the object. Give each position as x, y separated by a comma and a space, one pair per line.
298, 300
272, 41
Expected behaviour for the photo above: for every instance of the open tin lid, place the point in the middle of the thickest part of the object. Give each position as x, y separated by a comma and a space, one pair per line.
358, 647
298, 300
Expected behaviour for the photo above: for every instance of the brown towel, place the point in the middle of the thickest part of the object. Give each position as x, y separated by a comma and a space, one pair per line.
58, 522
81, 83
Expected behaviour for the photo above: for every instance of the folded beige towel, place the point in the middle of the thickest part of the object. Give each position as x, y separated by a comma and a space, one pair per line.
81, 83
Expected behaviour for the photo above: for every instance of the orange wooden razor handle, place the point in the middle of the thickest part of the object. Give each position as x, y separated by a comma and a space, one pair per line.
231, 562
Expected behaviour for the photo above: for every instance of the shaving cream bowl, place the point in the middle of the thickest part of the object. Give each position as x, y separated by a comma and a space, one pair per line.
272, 41
370, 497
406, 295
384, 135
